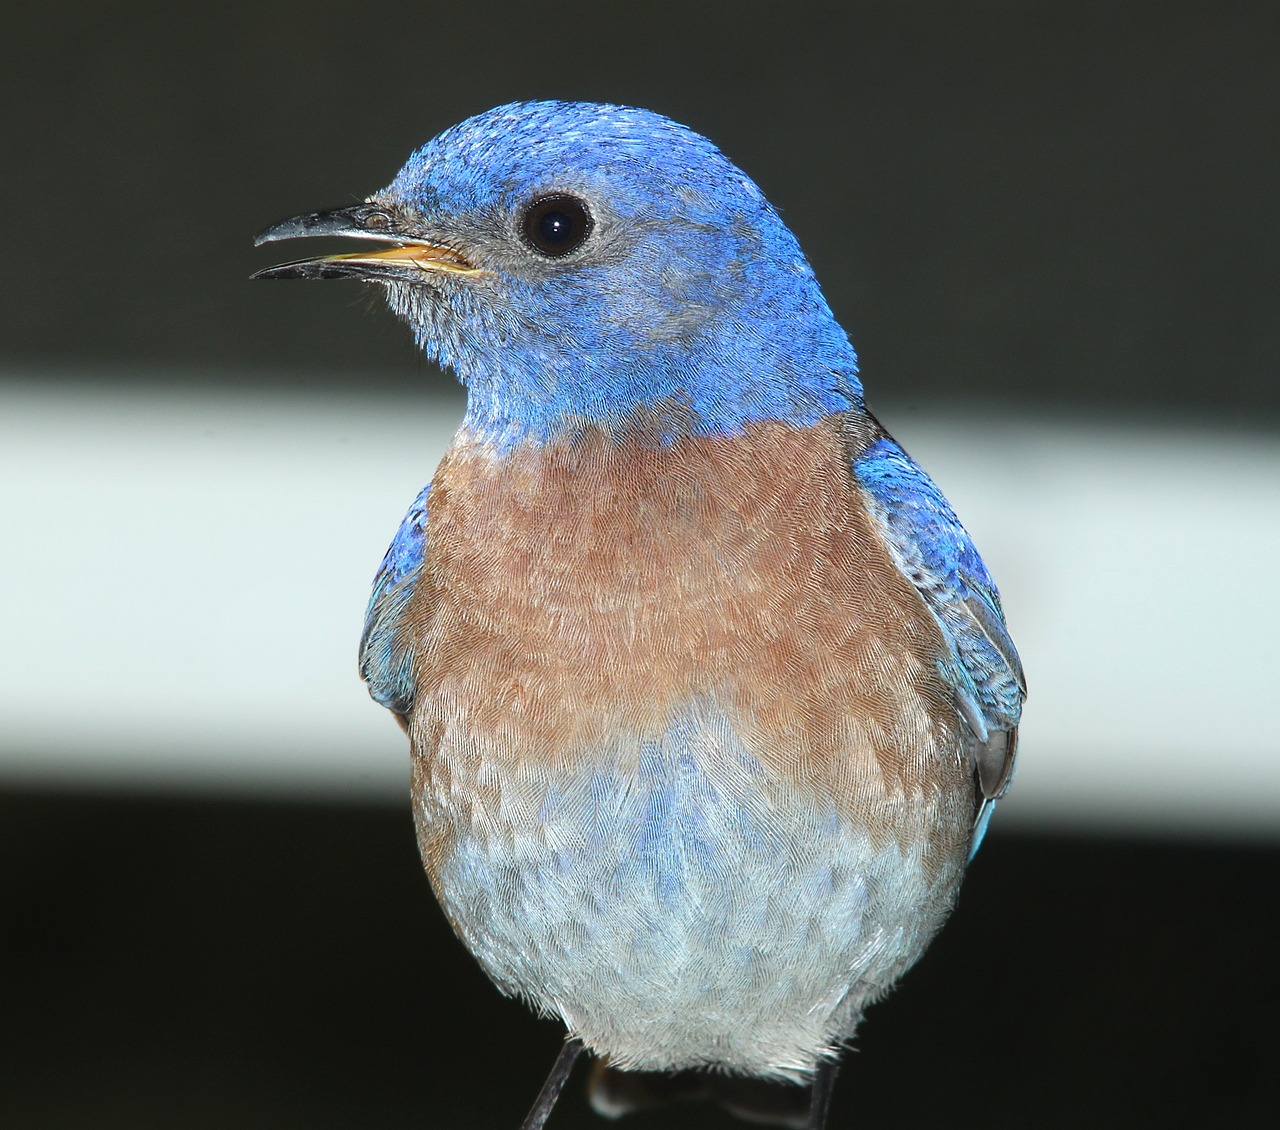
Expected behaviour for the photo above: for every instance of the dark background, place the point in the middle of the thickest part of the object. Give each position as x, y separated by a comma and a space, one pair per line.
1065, 202
1065, 206
209, 965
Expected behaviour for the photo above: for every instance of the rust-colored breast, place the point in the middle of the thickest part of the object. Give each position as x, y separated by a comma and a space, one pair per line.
575, 592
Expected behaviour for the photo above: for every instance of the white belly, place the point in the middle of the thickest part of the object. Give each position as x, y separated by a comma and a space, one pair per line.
693, 911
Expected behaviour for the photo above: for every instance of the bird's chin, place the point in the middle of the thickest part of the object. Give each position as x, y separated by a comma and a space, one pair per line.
411, 300
422, 306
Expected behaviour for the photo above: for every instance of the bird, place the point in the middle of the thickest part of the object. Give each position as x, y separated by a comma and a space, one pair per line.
709, 694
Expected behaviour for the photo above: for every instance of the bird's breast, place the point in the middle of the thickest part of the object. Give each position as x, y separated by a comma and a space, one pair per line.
577, 598
685, 770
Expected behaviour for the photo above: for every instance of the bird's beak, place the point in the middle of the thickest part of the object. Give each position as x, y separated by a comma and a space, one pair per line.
404, 260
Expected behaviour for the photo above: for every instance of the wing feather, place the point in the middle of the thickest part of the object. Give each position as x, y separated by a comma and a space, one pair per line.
935, 552
387, 645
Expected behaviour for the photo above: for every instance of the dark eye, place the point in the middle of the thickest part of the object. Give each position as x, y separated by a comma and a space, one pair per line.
556, 225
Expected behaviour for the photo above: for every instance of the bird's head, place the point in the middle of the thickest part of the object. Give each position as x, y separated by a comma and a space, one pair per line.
591, 264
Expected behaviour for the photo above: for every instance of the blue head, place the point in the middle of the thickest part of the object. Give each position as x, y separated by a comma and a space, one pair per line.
579, 264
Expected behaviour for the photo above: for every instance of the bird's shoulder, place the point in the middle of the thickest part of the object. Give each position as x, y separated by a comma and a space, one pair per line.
935, 552
387, 645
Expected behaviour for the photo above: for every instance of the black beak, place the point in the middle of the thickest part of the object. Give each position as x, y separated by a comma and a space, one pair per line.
405, 260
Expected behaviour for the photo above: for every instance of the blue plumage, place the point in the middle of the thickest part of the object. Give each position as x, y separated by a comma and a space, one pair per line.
935, 551
709, 692
387, 647
705, 302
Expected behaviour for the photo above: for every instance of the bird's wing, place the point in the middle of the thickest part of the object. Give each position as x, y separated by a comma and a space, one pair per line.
387, 645
934, 551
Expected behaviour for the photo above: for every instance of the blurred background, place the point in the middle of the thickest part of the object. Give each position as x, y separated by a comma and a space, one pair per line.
1051, 230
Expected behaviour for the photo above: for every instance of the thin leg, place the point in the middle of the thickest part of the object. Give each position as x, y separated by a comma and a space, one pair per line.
551, 1089
820, 1104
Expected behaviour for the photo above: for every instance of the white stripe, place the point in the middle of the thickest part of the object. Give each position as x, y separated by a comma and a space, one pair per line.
183, 578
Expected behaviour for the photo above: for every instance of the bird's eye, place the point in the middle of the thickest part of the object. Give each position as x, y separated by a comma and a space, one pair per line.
556, 225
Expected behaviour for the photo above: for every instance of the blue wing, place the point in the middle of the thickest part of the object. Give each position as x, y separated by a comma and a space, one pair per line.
933, 549
387, 646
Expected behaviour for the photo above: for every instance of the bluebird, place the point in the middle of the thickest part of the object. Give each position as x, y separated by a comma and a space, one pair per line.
708, 692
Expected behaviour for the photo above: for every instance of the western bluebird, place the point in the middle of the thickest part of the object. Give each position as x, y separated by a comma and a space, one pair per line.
709, 693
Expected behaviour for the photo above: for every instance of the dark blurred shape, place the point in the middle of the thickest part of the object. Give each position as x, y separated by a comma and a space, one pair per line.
206, 964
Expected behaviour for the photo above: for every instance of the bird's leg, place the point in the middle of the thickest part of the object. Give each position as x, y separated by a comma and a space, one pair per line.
820, 1101
537, 1117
